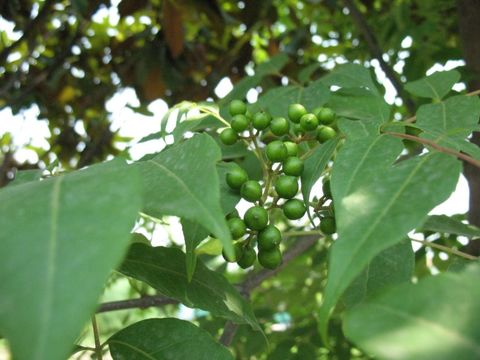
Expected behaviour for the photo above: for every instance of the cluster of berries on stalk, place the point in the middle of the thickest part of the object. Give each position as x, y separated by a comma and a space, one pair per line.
282, 165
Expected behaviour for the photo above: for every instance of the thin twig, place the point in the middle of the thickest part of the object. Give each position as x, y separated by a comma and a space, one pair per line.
437, 147
140, 303
377, 53
98, 347
446, 249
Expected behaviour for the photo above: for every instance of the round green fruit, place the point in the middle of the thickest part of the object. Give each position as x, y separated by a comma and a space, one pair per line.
256, 218
294, 209
237, 228
269, 238
251, 191
293, 166
280, 126
232, 215
298, 130
295, 112
228, 136
236, 177
270, 259
325, 116
239, 123
248, 257
292, 148
261, 120
309, 122
237, 249
276, 151
237, 107
286, 186
327, 225
325, 133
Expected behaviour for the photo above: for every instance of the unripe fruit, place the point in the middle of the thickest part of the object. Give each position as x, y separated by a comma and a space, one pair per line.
256, 218
237, 228
228, 136
293, 166
309, 122
248, 257
239, 123
236, 177
276, 151
294, 209
261, 120
298, 129
326, 189
295, 112
292, 148
237, 249
269, 238
286, 186
325, 133
325, 116
237, 107
280, 126
251, 191
270, 259
327, 225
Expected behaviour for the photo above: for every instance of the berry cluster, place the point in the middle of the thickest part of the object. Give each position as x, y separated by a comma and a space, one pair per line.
282, 167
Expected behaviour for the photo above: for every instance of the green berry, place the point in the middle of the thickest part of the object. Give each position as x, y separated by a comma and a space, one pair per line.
298, 129
270, 259
237, 107
292, 148
294, 209
326, 189
236, 177
293, 166
251, 191
286, 186
239, 123
325, 133
237, 228
269, 238
309, 122
237, 249
256, 218
327, 225
295, 112
261, 120
280, 126
276, 151
248, 257
228, 136
326, 116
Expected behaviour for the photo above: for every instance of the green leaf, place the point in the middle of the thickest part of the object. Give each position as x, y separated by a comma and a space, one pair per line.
435, 86
351, 76
306, 73
60, 239
360, 104
183, 181
439, 318
167, 338
376, 207
277, 100
193, 234
393, 266
314, 166
165, 270
455, 117
446, 224
24, 176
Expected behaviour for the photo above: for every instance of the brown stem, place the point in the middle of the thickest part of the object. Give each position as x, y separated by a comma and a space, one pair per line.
437, 147
141, 303
98, 346
446, 249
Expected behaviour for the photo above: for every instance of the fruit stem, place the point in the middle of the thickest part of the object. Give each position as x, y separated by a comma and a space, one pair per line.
98, 347
259, 154
217, 116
